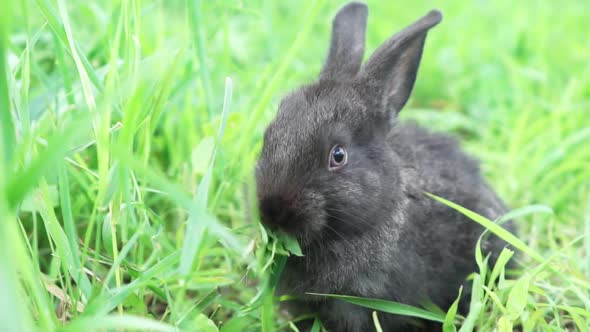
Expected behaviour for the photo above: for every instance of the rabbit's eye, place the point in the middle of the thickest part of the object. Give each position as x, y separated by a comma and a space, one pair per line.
338, 157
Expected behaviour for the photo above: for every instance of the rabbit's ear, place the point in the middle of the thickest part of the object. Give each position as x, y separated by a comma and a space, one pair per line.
347, 45
394, 65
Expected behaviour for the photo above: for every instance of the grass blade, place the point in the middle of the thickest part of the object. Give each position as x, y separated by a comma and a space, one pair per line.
449, 323
84, 79
587, 236
517, 299
13, 313
118, 322
196, 224
501, 262
493, 227
19, 186
197, 31
57, 27
523, 211
475, 305
376, 322
388, 306
69, 260
317, 325
6, 121
103, 304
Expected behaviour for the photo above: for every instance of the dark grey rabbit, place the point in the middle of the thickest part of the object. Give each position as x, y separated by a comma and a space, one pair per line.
340, 174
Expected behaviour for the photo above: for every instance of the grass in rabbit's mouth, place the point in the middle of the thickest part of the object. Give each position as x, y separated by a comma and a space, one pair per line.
126, 190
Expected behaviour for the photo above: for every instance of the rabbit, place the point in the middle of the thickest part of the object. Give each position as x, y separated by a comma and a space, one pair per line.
339, 173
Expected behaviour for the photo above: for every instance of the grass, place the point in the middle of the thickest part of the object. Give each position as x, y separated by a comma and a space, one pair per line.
130, 130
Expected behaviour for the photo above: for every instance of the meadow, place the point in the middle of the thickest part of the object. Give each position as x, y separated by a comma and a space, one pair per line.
130, 130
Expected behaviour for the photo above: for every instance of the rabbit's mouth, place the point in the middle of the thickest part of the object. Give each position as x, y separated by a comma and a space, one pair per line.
301, 218
276, 216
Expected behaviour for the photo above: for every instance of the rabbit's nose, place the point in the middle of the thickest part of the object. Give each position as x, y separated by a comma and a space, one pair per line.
276, 211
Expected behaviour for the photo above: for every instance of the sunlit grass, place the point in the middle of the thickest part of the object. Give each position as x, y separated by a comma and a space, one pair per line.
130, 131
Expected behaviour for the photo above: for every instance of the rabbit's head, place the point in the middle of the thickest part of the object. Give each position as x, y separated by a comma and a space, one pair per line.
326, 170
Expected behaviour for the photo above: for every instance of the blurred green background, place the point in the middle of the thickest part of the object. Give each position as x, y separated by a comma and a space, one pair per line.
126, 179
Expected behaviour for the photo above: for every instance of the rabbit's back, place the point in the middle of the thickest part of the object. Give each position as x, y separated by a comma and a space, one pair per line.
435, 163
442, 241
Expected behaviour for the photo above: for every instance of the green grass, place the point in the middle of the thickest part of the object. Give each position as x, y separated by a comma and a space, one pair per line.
126, 190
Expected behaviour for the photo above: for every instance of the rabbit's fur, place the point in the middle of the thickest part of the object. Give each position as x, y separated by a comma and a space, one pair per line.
367, 229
